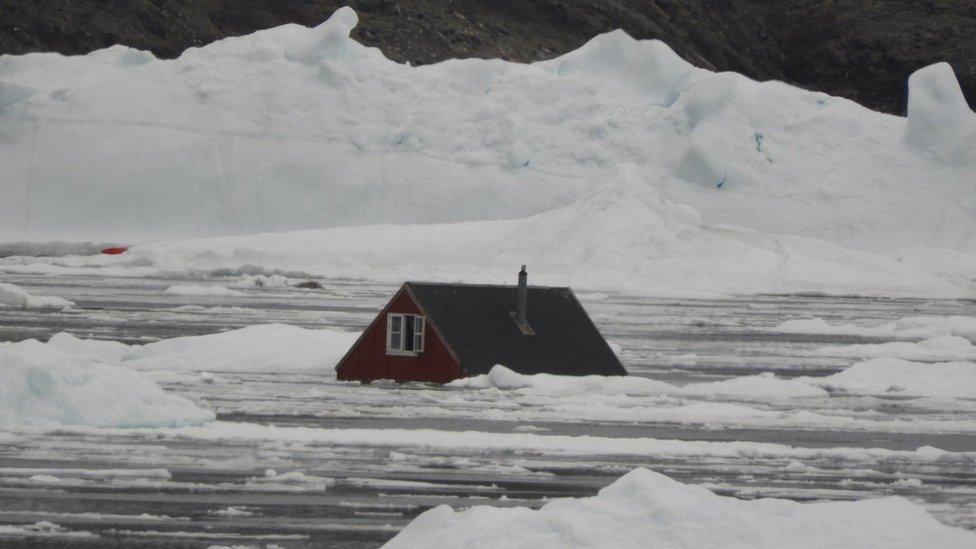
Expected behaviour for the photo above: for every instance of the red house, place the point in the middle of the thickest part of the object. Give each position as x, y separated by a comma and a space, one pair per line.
441, 332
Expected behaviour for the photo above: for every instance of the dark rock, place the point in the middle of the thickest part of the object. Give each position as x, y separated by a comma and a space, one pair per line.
309, 285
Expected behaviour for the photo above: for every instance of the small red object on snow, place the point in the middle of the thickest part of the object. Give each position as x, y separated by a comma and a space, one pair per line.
115, 251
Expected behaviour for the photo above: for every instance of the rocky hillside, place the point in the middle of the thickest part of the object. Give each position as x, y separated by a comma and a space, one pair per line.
861, 49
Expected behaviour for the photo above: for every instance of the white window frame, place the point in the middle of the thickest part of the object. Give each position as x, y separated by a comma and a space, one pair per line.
419, 336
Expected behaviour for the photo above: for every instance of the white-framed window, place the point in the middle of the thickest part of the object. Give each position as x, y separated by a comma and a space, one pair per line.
404, 334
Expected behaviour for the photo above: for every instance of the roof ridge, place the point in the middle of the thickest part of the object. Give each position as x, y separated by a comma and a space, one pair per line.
469, 285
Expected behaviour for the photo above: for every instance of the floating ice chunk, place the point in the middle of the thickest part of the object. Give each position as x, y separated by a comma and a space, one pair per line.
762, 386
42, 529
939, 119
934, 348
261, 348
202, 290
15, 296
909, 327
647, 509
40, 385
501, 377
107, 352
885, 375
233, 511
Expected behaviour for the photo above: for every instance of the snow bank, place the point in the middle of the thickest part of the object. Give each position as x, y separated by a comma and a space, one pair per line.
294, 128
647, 509
911, 327
881, 376
40, 385
935, 348
262, 348
15, 296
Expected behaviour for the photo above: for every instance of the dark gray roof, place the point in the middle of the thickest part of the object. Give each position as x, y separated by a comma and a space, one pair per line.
476, 322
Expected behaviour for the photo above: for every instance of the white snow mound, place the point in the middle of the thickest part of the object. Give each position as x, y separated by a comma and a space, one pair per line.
647, 509
41, 385
15, 296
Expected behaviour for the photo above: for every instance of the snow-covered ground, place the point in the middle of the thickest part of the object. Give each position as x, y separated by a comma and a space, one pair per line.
720, 397
618, 165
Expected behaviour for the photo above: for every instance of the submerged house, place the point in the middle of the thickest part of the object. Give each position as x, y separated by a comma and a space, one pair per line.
441, 332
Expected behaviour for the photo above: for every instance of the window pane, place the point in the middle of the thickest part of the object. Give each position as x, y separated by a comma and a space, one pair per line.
418, 342
418, 324
408, 333
396, 323
396, 340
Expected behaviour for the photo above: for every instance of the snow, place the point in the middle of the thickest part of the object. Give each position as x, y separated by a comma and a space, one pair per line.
40, 385
260, 348
935, 348
589, 244
911, 327
648, 509
880, 376
15, 296
764, 386
619, 159
43, 529
939, 119
202, 290
503, 378
233, 511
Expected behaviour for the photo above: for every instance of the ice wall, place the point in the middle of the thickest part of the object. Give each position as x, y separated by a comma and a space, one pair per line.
298, 128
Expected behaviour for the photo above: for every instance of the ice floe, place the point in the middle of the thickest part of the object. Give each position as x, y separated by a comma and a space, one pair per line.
40, 385
15, 296
648, 509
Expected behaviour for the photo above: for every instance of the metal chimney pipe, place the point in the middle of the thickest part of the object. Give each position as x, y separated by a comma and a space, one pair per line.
523, 295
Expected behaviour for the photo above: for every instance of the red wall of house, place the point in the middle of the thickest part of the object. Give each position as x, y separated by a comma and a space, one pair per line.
368, 360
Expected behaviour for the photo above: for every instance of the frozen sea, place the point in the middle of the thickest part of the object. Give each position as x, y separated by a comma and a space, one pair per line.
348, 465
